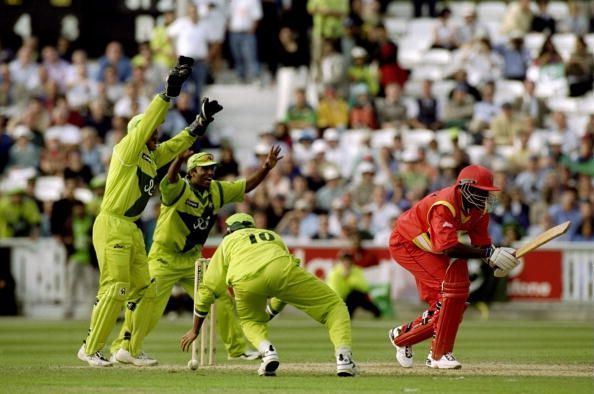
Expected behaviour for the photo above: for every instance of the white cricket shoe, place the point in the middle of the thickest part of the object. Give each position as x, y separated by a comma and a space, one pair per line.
269, 363
345, 366
404, 354
125, 357
447, 361
249, 354
94, 360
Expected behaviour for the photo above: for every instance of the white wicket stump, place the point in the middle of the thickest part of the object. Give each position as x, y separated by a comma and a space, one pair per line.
208, 336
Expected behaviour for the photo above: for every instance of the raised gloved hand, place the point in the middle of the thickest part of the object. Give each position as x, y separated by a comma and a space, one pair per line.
208, 109
503, 261
178, 75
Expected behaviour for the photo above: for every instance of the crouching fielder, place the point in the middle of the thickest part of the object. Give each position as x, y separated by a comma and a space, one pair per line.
257, 265
425, 242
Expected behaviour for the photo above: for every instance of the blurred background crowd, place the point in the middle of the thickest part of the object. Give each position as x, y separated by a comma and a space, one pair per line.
387, 101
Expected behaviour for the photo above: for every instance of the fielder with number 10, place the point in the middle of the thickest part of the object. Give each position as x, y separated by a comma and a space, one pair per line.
188, 211
257, 264
425, 242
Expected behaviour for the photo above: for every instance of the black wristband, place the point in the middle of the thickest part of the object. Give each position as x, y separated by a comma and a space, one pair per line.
487, 252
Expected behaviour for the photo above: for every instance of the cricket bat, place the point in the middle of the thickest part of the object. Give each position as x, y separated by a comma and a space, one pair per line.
542, 239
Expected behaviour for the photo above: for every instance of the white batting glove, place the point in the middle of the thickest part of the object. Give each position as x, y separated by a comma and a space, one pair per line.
503, 260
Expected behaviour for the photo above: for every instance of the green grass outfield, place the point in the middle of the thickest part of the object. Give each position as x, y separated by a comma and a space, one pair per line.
497, 357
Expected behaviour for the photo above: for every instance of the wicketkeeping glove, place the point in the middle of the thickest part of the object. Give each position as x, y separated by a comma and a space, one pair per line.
178, 75
208, 109
503, 261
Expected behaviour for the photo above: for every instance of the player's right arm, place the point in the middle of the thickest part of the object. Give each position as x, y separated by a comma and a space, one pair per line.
214, 284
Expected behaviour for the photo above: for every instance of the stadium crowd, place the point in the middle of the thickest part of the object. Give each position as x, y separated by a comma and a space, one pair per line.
373, 138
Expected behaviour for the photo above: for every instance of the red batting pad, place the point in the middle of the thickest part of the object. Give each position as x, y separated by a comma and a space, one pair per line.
454, 294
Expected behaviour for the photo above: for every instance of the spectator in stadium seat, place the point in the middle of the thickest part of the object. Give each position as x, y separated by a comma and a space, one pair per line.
361, 72
23, 69
323, 230
585, 232
381, 208
419, 5
332, 190
244, 17
114, 57
333, 67
521, 153
328, 19
566, 209
427, 114
483, 111
548, 65
300, 114
19, 215
362, 191
530, 106
163, 49
579, 69
276, 210
583, 161
518, 17
471, 29
362, 114
444, 31
571, 139
22, 154
489, 156
505, 125
333, 110
362, 256
65, 132
386, 55
483, 64
391, 110
348, 281
576, 21
76, 169
132, 99
113, 87
458, 110
543, 21
516, 57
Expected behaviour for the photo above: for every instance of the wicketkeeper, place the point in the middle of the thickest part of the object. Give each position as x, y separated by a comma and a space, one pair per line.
425, 242
189, 209
118, 242
257, 265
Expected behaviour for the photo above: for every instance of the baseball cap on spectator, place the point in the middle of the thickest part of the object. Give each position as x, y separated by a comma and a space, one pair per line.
331, 173
447, 162
410, 156
261, 150
366, 168
331, 135
319, 146
555, 139
22, 131
302, 204
305, 136
358, 52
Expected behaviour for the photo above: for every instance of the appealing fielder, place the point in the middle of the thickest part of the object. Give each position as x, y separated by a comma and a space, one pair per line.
425, 242
188, 211
119, 244
257, 265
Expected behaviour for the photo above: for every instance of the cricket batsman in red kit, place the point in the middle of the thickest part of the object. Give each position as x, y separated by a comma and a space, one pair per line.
425, 242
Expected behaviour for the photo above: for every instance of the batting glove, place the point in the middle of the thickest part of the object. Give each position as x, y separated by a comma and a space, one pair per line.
503, 261
178, 75
208, 109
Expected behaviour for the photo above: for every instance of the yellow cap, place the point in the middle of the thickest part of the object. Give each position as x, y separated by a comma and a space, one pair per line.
202, 159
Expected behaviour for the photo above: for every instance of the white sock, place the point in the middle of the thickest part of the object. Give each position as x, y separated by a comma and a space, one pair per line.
264, 346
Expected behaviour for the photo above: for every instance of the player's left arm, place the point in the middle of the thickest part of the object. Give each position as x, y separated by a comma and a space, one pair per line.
257, 177
166, 151
213, 285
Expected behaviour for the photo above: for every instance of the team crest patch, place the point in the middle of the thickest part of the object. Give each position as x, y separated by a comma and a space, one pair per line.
147, 157
191, 203
123, 291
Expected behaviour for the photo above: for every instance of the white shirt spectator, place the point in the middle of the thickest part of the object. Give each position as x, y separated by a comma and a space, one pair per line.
24, 74
123, 107
243, 14
191, 38
67, 134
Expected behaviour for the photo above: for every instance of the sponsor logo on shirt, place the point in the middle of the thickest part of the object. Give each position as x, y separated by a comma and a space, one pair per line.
147, 157
191, 203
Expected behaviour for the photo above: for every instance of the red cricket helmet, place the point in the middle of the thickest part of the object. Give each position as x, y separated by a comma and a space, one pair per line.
478, 177
476, 184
